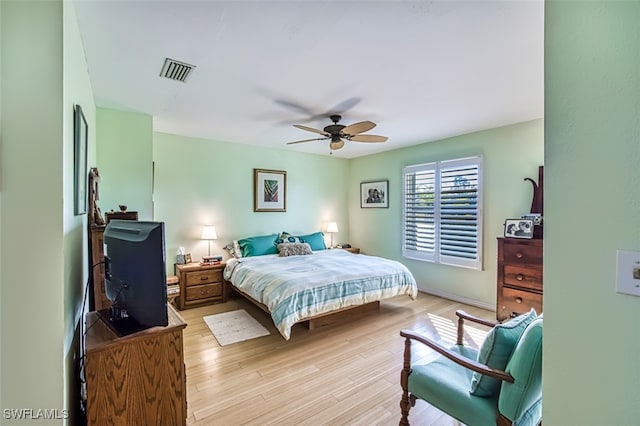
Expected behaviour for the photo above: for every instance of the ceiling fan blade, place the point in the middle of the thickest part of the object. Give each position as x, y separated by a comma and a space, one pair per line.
336, 145
354, 129
294, 106
368, 138
311, 129
306, 140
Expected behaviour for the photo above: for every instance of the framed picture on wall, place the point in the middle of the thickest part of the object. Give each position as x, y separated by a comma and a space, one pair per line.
269, 190
80, 176
374, 194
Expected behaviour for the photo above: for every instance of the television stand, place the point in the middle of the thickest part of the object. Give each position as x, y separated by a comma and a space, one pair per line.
138, 378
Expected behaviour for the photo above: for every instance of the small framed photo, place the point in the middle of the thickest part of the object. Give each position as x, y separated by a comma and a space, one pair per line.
269, 190
187, 258
374, 194
518, 228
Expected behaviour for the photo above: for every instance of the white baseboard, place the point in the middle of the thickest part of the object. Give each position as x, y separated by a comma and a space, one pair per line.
461, 299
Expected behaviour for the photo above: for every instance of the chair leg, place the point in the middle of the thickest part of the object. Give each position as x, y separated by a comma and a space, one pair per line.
406, 402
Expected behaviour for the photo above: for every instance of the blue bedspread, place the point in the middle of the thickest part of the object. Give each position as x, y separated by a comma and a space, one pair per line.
298, 287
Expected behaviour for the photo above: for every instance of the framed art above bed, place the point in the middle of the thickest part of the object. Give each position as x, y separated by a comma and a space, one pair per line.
269, 190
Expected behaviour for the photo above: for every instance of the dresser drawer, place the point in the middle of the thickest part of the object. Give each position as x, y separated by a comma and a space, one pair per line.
205, 291
523, 253
203, 277
512, 302
521, 276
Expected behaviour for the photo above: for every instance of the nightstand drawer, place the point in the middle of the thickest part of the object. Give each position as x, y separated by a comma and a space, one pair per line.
203, 277
520, 276
204, 291
512, 302
516, 252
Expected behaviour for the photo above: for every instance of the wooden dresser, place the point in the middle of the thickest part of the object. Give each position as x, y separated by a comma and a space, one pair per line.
139, 379
519, 277
200, 285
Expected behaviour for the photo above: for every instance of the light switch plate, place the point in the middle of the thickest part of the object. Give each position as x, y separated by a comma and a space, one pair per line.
627, 272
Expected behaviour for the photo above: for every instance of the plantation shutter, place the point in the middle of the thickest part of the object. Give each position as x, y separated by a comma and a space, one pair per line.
420, 211
442, 212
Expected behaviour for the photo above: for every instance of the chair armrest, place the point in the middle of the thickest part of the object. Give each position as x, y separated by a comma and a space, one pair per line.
462, 315
457, 358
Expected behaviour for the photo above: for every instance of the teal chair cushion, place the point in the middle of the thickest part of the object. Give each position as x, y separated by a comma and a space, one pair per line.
445, 385
496, 351
521, 401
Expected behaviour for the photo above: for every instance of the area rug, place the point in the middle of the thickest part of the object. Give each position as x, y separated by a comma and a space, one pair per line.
235, 326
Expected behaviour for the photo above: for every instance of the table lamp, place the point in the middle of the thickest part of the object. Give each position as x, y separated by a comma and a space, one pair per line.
332, 228
209, 233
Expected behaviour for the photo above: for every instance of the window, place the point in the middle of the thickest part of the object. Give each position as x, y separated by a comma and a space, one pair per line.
442, 212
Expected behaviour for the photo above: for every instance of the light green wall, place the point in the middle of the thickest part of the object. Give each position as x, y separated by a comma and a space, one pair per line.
509, 155
43, 248
31, 313
201, 182
592, 208
1, 162
125, 161
77, 90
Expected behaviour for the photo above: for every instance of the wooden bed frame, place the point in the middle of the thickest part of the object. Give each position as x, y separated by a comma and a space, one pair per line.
322, 320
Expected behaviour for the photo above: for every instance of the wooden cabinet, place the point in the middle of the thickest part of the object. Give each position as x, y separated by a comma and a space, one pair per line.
354, 250
138, 379
519, 277
200, 285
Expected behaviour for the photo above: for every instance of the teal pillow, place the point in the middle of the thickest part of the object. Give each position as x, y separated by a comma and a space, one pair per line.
315, 240
258, 246
496, 351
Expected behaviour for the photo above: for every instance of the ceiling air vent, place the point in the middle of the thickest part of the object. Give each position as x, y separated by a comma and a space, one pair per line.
176, 70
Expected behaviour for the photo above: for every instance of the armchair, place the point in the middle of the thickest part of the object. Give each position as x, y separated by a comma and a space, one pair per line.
501, 384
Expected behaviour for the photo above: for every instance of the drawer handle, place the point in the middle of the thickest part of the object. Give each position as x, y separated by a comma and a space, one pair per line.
519, 277
203, 292
204, 278
518, 299
519, 255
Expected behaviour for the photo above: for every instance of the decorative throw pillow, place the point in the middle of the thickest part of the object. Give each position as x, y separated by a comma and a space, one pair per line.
258, 246
234, 249
294, 249
286, 237
496, 351
315, 240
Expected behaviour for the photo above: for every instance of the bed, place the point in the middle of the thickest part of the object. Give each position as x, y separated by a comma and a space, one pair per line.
300, 288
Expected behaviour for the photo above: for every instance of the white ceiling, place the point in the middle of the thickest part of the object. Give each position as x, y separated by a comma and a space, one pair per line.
421, 71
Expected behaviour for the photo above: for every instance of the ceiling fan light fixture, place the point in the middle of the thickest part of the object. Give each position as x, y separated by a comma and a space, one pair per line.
338, 133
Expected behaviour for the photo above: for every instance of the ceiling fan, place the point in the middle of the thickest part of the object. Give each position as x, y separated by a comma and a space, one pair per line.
338, 133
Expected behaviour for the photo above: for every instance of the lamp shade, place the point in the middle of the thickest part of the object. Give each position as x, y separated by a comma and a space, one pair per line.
209, 233
332, 227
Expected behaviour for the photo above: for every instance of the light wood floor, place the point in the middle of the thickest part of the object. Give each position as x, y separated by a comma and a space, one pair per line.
345, 374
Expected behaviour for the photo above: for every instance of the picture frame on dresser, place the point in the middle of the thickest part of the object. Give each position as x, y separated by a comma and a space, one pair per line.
518, 228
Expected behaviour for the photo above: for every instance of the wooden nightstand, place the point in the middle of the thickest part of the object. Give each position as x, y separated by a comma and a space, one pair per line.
354, 250
200, 285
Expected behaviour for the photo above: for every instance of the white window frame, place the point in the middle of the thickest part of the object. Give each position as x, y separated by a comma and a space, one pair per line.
432, 250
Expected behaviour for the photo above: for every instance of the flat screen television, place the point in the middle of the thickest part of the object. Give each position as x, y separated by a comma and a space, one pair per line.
136, 277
